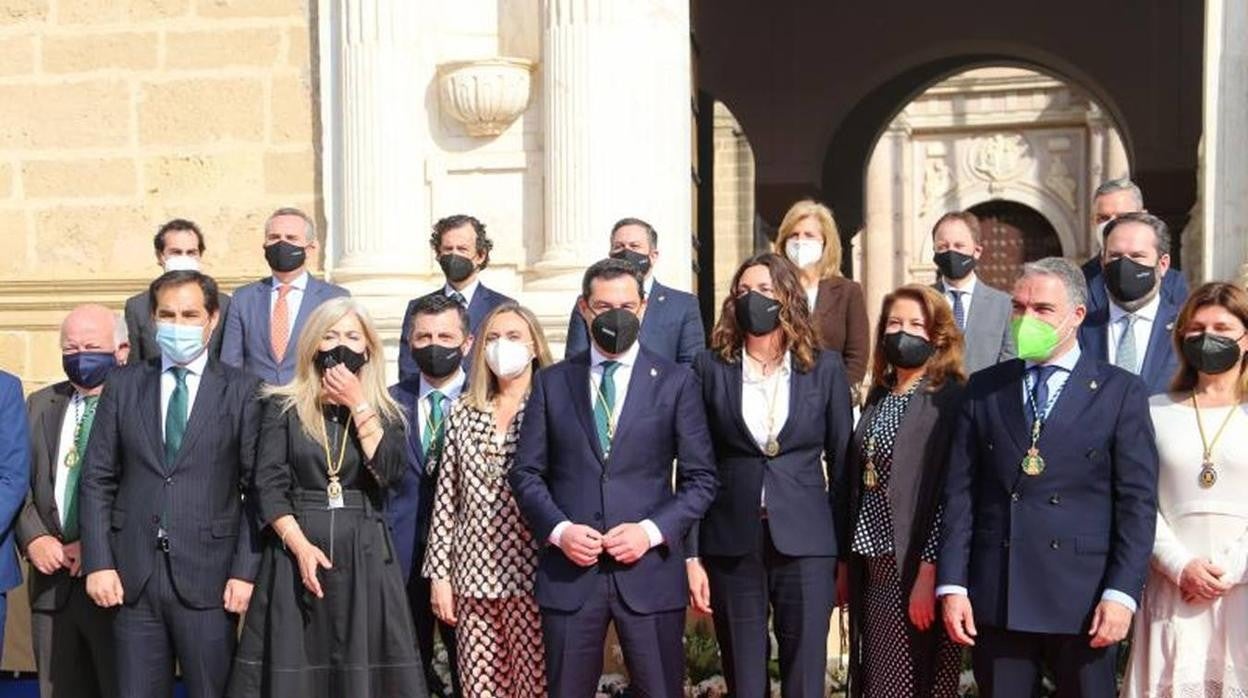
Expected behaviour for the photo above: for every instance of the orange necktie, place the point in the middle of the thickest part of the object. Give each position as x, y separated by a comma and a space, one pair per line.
279, 323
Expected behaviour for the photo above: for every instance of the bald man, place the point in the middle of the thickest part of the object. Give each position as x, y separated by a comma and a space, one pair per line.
72, 637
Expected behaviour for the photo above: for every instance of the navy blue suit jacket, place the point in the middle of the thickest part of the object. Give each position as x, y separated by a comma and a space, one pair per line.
1036, 553
247, 343
1160, 360
483, 301
806, 513
409, 503
560, 474
14, 474
671, 328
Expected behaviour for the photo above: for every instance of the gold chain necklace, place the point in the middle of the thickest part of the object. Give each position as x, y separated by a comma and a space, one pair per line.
1208, 474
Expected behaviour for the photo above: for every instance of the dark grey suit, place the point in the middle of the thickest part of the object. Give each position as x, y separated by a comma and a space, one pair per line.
246, 342
173, 598
72, 637
142, 328
987, 331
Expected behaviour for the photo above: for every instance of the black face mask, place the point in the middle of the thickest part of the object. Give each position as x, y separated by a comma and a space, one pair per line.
88, 369
615, 330
1211, 353
954, 265
456, 267
637, 259
756, 313
905, 350
437, 361
282, 256
1127, 280
341, 354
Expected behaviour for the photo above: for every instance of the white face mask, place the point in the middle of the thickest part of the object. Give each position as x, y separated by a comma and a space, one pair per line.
507, 358
803, 253
181, 262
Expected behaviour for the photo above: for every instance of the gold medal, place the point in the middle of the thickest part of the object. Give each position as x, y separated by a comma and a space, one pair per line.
71, 458
1208, 476
1033, 464
870, 479
334, 490
772, 448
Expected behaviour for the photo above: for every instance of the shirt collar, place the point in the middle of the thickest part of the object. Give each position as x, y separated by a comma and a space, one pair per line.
300, 283
1066, 361
467, 292
628, 358
970, 285
1148, 312
751, 373
647, 285
196, 366
451, 390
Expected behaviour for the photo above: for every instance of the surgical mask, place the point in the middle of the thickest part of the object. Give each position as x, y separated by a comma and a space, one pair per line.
88, 369
803, 253
283, 256
1127, 280
180, 262
507, 358
181, 343
456, 267
341, 354
1035, 339
757, 314
637, 259
954, 265
437, 361
615, 330
1211, 353
905, 350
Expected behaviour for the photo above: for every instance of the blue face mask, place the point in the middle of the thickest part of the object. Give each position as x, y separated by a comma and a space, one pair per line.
88, 369
181, 343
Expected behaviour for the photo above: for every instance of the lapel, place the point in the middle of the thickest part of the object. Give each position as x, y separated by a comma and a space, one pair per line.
261, 316
1095, 340
797, 384
577, 377
149, 401
204, 410
640, 395
1009, 403
1077, 395
52, 418
864, 420
736, 396
656, 305
479, 306
1160, 336
311, 299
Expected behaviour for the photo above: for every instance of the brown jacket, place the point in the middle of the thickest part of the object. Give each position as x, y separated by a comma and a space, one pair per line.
840, 319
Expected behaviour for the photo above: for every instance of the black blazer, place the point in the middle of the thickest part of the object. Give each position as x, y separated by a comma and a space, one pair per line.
805, 512
45, 411
142, 328
126, 486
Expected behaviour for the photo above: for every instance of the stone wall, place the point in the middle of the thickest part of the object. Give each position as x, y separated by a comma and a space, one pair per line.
120, 114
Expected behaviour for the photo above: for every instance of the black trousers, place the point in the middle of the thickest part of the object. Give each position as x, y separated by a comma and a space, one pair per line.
74, 648
425, 623
1008, 664
652, 642
800, 592
160, 628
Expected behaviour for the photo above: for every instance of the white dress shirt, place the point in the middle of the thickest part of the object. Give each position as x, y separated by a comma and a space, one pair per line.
69, 424
621, 379
294, 298
450, 391
764, 401
194, 371
1056, 382
968, 293
812, 294
467, 292
1143, 329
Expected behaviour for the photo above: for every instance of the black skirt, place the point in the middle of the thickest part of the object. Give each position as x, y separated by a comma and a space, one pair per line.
357, 641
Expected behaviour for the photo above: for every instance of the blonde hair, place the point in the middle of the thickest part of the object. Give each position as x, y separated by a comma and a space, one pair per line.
829, 265
482, 384
303, 394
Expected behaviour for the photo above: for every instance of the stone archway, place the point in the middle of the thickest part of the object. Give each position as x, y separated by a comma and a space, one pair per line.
1012, 234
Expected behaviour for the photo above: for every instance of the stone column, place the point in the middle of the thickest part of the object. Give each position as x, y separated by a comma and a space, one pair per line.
616, 104
1224, 185
883, 248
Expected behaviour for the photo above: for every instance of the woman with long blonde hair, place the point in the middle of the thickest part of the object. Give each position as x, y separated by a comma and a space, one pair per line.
329, 615
481, 557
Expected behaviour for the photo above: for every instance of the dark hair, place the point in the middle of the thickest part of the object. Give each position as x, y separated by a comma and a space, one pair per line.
608, 269
484, 244
1160, 229
945, 363
1229, 296
970, 220
437, 303
173, 279
650, 231
175, 225
795, 324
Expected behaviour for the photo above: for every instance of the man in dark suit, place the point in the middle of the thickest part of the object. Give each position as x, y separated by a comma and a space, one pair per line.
71, 636
463, 250
263, 323
1050, 503
14, 474
593, 477
179, 245
672, 327
980, 311
1112, 199
439, 341
166, 536
1134, 330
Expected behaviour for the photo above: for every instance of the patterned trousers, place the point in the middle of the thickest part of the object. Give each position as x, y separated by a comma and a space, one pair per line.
500, 648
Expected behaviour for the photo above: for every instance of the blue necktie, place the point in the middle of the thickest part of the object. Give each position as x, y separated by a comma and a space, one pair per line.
959, 311
1040, 391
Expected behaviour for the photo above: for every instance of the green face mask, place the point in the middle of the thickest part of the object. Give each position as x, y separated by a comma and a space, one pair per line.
1035, 339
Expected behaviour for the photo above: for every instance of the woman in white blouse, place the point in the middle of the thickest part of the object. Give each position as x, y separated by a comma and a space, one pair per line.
1191, 632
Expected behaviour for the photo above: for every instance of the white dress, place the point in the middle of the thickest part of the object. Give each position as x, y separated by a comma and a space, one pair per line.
1198, 650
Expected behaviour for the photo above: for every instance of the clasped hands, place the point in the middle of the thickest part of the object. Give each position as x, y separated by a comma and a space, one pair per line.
626, 543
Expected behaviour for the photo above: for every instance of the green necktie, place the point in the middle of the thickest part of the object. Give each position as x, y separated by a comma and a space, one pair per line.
604, 405
69, 529
431, 435
175, 415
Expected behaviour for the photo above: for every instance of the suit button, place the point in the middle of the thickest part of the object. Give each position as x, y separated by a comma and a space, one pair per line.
155, 519
1055, 500
604, 477
597, 516
168, 481
989, 445
1014, 496
1054, 544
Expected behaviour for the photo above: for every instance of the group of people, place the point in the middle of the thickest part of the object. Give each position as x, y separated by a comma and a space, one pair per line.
1029, 473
